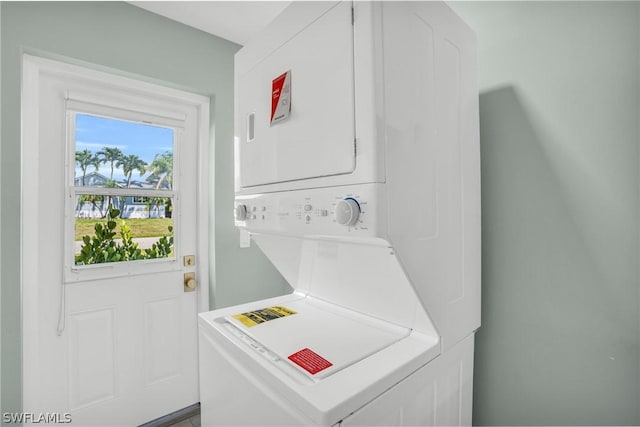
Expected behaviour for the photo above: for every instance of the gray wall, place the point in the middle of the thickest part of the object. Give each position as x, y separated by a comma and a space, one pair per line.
559, 86
134, 42
0, 212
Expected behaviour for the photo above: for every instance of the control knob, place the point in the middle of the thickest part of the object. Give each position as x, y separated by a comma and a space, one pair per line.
347, 212
241, 212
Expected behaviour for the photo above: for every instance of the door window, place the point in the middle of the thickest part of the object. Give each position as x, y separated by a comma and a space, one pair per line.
123, 191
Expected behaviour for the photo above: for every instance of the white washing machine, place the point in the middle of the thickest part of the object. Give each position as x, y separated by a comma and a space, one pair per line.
358, 175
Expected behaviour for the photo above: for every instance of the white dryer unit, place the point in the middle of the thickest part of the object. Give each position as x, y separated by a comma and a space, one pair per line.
358, 175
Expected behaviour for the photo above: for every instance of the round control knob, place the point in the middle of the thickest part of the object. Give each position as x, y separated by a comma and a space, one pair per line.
347, 212
241, 212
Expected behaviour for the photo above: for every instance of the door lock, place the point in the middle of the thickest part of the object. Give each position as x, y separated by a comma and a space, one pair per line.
190, 282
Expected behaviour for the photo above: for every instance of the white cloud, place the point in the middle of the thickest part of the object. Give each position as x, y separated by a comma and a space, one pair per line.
81, 145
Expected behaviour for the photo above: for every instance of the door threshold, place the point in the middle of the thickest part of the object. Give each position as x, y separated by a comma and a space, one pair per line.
174, 417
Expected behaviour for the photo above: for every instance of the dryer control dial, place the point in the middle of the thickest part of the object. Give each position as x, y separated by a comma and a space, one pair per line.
347, 212
241, 212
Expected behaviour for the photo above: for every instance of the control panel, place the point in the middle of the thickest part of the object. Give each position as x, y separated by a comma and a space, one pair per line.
335, 211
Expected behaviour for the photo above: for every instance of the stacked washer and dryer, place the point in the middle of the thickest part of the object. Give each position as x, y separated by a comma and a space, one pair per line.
358, 176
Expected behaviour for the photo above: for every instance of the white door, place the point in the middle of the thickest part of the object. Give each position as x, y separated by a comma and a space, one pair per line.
114, 342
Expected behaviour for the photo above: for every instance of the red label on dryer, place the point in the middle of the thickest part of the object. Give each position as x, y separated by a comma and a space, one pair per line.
281, 97
310, 361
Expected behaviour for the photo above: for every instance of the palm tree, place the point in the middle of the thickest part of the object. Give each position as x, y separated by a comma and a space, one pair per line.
129, 164
161, 169
93, 199
153, 202
109, 155
84, 159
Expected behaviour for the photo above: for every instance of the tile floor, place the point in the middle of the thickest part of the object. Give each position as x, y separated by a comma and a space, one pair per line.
189, 422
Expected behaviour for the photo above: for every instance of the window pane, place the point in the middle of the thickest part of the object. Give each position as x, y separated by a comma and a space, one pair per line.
115, 153
135, 228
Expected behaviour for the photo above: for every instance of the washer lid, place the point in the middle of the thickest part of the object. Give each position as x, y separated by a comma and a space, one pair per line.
316, 337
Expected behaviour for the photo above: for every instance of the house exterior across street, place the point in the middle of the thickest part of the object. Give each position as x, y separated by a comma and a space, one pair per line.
95, 206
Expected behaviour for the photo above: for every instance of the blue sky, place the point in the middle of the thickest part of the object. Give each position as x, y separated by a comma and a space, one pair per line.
93, 133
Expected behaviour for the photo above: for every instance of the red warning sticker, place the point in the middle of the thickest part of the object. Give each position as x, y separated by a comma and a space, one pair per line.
310, 361
281, 97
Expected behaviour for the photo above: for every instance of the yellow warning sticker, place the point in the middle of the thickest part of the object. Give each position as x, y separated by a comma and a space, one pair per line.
253, 318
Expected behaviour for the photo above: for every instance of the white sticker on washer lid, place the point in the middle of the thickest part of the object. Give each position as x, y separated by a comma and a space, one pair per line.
281, 97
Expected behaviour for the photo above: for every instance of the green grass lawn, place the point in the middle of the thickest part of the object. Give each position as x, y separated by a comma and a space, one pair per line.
152, 227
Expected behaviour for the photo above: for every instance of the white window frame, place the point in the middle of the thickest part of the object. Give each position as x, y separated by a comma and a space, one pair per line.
136, 106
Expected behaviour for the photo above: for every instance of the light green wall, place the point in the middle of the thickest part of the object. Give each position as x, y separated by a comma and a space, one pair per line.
0, 212
559, 87
121, 37
559, 107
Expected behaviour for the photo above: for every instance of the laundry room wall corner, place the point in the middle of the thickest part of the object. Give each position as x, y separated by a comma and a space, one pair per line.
559, 105
0, 206
637, 180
